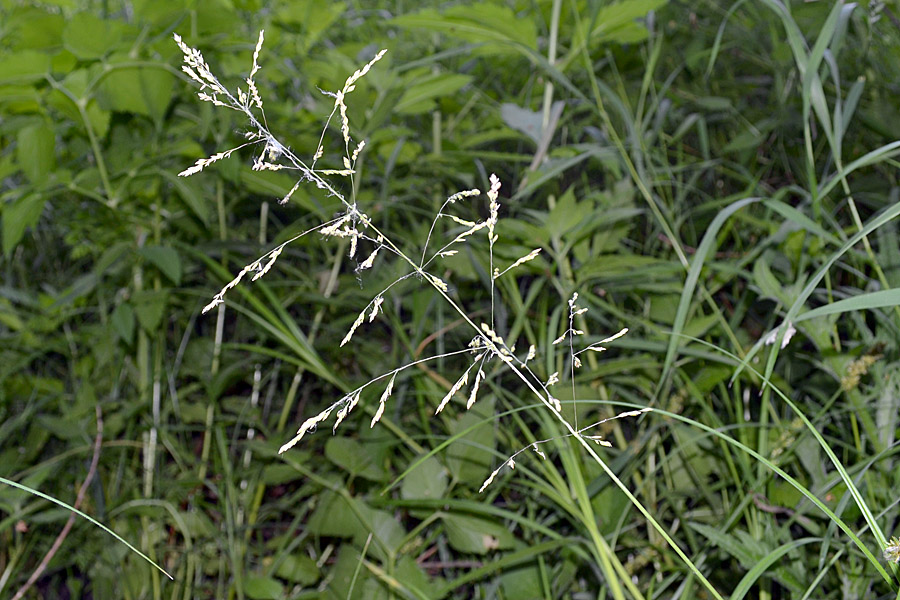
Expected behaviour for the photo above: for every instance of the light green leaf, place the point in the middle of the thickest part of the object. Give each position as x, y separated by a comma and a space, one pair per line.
493, 25
122, 321
166, 259
142, 91
420, 96
298, 568
615, 22
18, 216
476, 535
35, 150
87, 36
149, 307
353, 457
23, 67
427, 480
263, 588
879, 299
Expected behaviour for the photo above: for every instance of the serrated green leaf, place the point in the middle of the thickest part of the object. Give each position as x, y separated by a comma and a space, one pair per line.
122, 321
149, 307
142, 91
35, 150
18, 216
87, 36
166, 259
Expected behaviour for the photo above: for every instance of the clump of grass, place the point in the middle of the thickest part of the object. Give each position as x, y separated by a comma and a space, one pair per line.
486, 345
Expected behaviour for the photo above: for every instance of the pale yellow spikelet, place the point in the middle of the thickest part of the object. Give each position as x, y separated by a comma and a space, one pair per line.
384, 396
597, 439
474, 392
554, 378
290, 193
511, 463
577, 362
309, 424
453, 390
202, 163
259, 44
438, 282
356, 324
335, 228
488, 481
254, 93
341, 172
559, 339
530, 256
595, 347
463, 194
273, 256
462, 222
358, 149
353, 240
348, 85
447, 253
367, 264
375, 307
538, 451
532, 352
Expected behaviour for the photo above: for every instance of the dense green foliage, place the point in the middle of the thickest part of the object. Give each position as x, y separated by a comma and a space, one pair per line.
698, 173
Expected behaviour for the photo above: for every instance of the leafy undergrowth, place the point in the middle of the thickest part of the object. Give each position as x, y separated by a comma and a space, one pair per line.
722, 183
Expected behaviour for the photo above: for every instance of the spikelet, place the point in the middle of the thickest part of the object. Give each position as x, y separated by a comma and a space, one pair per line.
453, 389
387, 393
474, 392
353, 327
376, 305
308, 425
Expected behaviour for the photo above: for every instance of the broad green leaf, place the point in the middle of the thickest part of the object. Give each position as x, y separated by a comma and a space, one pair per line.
427, 480
353, 457
143, 91
476, 535
298, 568
36, 150
314, 16
18, 216
523, 582
420, 96
263, 588
87, 36
616, 22
494, 25
339, 516
122, 321
149, 307
23, 67
189, 194
33, 28
566, 215
469, 457
166, 259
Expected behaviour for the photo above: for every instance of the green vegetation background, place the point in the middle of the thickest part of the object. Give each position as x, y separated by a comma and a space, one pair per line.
668, 114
